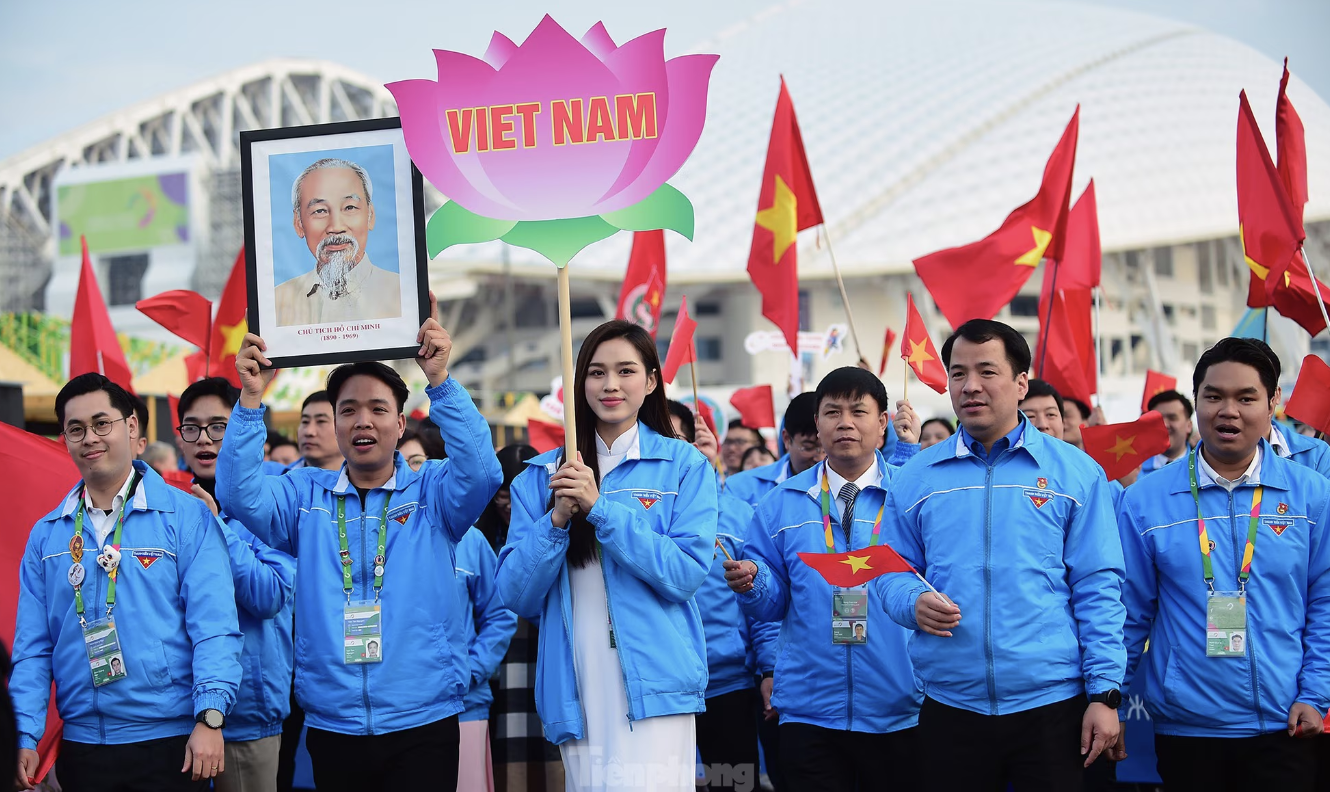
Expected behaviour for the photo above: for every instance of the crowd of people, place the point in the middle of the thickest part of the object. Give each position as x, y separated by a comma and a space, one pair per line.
436, 614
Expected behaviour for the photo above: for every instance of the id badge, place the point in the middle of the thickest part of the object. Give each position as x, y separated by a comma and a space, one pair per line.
362, 623
849, 616
1226, 624
104, 656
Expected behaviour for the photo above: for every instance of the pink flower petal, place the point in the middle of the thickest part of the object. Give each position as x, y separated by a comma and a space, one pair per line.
640, 66
500, 50
689, 77
552, 65
598, 40
464, 82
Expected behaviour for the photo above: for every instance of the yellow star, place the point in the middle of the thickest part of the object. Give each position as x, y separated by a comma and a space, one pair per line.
232, 335
1260, 271
781, 218
1032, 256
857, 563
919, 353
1123, 446
654, 299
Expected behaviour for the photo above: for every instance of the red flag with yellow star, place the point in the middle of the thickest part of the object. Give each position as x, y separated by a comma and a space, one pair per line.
856, 567
229, 326
643, 293
1121, 448
974, 281
918, 351
787, 205
1156, 383
1269, 231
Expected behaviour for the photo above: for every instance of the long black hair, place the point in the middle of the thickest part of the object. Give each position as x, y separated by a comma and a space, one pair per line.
654, 412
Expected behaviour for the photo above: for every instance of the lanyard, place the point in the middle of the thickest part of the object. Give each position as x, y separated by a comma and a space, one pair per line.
1247, 553
826, 517
345, 553
115, 544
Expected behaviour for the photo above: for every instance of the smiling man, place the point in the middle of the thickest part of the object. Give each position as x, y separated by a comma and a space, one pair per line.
1042, 405
846, 697
316, 439
1239, 625
126, 604
370, 541
333, 211
1017, 530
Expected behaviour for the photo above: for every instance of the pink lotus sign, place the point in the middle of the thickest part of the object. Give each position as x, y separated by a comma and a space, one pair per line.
557, 143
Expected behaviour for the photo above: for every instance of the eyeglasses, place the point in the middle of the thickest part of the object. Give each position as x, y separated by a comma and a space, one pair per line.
102, 428
190, 432
416, 461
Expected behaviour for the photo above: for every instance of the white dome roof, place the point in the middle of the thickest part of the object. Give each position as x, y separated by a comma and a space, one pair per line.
926, 123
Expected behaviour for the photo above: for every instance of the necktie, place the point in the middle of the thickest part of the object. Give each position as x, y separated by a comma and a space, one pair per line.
847, 494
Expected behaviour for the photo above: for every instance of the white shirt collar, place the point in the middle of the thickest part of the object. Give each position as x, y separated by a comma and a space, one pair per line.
1207, 474
622, 444
1278, 442
118, 501
870, 478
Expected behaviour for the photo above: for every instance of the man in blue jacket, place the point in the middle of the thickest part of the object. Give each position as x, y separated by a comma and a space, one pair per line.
843, 685
1311, 452
126, 603
265, 581
369, 542
1177, 411
1238, 667
1017, 530
799, 437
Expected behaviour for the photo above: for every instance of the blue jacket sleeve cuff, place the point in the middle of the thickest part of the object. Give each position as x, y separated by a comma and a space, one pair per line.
250, 414
597, 516
903, 453
27, 741
1097, 685
212, 699
759, 589
442, 390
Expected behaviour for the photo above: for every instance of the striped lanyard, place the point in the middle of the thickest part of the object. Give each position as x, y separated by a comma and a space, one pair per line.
77, 542
826, 517
1247, 553
344, 551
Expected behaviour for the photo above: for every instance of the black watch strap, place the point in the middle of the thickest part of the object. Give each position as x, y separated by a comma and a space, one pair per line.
213, 719
1109, 698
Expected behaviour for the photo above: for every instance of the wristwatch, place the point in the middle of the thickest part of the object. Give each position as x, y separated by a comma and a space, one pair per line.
1109, 698
213, 719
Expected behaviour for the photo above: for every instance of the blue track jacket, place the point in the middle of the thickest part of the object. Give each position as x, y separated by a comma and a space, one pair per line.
1027, 547
655, 521
175, 612
265, 583
1307, 451
868, 688
1288, 599
490, 627
737, 645
425, 671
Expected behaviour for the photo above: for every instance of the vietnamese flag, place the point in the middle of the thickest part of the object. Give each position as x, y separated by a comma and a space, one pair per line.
681, 344
974, 281
229, 326
643, 293
886, 351
1291, 151
1267, 228
1156, 383
755, 406
183, 312
1310, 402
786, 205
856, 567
918, 351
544, 435
1121, 448
1065, 352
93, 345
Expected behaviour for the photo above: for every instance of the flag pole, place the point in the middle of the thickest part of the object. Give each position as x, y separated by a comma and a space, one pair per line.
844, 298
940, 595
1316, 286
1098, 341
566, 350
692, 370
1048, 321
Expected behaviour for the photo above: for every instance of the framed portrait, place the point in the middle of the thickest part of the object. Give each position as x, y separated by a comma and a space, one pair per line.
334, 242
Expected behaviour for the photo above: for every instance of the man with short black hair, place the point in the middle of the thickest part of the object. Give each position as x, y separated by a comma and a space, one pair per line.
1043, 406
126, 568
1239, 625
1018, 530
1177, 412
265, 587
847, 702
141, 431
317, 437
369, 541
798, 434
282, 449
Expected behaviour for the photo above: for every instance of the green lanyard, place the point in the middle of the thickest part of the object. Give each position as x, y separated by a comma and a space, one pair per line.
77, 541
347, 584
849, 530
1248, 552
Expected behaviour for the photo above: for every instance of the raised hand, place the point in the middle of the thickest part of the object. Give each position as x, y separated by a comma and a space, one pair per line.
255, 370
435, 346
906, 422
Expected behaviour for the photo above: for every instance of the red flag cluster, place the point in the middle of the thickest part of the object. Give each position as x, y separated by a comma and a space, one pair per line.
1065, 354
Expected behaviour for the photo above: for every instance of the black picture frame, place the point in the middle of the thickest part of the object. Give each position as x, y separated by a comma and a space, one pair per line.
260, 273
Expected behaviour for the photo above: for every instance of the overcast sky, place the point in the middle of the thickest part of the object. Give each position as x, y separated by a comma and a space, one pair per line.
67, 63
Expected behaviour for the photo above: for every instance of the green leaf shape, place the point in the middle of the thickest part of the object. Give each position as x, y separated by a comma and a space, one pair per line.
451, 224
664, 208
559, 240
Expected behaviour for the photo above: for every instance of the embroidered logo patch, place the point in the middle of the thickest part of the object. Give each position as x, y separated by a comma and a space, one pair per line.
1038, 498
1042, 482
1278, 525
1282, 508
647, 498
148, 557
402, 513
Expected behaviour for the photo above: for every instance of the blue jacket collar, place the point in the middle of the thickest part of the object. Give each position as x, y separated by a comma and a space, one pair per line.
650, 445
152, 493
810, 481
1033, 441
774, 471
403, 476
1273, 473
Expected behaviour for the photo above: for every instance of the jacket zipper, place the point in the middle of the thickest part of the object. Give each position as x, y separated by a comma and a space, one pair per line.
609, 614
988, 590
364, 667
849, 656
1251, 651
